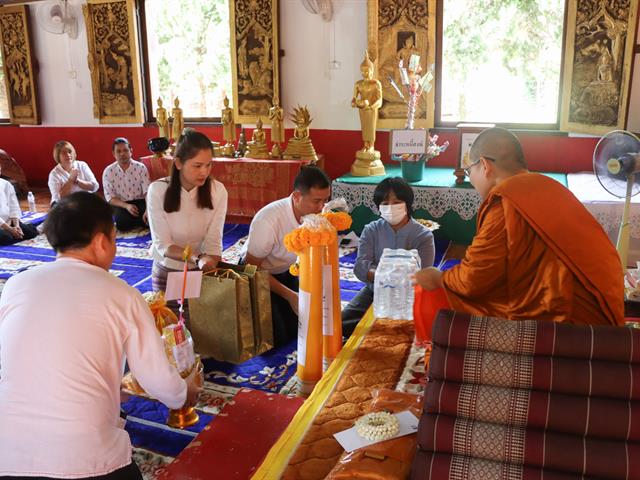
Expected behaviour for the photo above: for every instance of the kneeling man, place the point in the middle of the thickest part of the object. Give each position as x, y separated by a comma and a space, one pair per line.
265, 246
65, 329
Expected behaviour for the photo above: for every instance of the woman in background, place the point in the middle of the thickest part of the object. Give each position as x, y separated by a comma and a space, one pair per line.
186, 209
396, 229
69, 175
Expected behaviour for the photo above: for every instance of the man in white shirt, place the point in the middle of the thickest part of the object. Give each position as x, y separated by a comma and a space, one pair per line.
265, 246
125, 183
12, 230
65, 328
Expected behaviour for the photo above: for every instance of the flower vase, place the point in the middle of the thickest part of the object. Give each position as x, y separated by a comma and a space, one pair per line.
412, 171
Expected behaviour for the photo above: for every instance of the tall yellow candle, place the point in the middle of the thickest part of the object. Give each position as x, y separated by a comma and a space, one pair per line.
309, 369
332, 318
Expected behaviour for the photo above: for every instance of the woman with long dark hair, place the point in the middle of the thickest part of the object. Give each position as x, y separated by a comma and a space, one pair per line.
186, 209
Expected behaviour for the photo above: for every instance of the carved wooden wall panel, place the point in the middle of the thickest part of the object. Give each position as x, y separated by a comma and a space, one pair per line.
396, 30
598, 60
18, 64
254, 58
113, 60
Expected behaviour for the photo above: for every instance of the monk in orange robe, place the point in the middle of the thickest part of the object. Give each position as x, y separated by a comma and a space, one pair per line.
537, 254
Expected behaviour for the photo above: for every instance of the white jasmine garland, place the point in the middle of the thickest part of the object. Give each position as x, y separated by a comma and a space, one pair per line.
377, 426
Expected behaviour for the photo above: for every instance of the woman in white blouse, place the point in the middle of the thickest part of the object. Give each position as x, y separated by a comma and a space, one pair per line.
69, 175
186, 209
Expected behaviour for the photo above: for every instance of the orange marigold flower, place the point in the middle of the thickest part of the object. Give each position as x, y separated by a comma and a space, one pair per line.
294, 269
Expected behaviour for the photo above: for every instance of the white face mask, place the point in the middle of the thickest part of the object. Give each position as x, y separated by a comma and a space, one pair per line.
393, 214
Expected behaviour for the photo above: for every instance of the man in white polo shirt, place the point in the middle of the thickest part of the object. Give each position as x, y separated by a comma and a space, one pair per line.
65, 328
125, 183
265, 246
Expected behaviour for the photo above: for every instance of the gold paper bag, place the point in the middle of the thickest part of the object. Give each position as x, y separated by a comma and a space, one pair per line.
260, 304
221, 321
261, 300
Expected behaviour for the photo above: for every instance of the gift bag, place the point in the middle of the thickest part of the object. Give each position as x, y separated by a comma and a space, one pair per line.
221, 321
260, 304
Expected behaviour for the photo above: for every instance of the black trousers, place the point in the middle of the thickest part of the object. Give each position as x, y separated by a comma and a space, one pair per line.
355, 309
29, 232
125, 221
130, 472
285, 320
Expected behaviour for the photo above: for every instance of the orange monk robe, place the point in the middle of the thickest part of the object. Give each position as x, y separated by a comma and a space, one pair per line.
538, 254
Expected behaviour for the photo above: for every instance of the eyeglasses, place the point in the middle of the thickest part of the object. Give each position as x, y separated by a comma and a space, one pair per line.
467, 169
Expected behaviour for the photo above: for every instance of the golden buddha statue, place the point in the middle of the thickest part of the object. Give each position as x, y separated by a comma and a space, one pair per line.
367, 98
257, 147
162, 120
276, 115
178, 120
228, 129
300, 146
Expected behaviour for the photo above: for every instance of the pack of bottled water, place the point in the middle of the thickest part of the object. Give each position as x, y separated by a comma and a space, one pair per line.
392, 288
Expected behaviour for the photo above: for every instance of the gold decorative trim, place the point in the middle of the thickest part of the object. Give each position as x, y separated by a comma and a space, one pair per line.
113, 60
254, 58
19, 75
391, 30
599, 43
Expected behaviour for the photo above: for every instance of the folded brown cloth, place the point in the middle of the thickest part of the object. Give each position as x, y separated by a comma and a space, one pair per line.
528, 337
579, 415
440, 466
561, 452
559, 375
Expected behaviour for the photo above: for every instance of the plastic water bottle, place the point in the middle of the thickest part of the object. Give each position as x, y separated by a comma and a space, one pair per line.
393, 294
32, 202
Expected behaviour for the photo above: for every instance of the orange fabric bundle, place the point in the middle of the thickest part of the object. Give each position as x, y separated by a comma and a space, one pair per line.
425, 307
386, 460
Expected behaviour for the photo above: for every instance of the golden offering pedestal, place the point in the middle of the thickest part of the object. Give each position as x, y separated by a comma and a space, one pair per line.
178, 418
183, 417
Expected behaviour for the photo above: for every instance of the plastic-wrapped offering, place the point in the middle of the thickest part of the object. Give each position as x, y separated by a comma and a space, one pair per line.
178, 345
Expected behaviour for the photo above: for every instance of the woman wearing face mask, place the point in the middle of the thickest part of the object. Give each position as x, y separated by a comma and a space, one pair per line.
186, 209
396, 229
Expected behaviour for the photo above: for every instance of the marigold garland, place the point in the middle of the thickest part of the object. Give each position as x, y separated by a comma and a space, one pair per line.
340, 220
301, 238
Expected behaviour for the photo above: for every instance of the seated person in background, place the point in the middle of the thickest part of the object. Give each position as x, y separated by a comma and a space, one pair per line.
67, 345
69, 175
537, 254
187, 208
125, 183
12, 230
396, 229
265, 246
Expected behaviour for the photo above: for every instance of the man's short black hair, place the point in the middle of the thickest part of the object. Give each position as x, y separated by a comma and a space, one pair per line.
76, 219
399, 187
311, 177
118, 141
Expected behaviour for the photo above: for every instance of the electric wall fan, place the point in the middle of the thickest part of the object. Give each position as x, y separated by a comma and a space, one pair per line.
58, 16
616, 163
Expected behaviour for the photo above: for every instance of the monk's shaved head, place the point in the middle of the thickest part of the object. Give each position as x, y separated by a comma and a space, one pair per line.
501, 146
